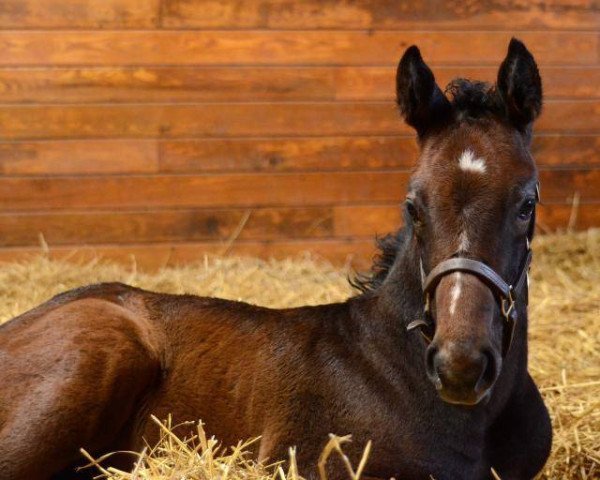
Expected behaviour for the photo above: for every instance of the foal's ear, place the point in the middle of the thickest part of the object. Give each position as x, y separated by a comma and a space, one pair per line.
421, 101
520, 85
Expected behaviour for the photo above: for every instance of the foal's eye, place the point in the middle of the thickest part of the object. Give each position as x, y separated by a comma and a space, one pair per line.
412, 211
526, 209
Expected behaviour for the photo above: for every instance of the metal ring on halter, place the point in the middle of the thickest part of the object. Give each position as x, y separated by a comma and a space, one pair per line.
511, 304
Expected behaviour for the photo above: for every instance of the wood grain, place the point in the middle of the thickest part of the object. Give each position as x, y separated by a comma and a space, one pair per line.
21, 14
247, 190
378, 83
561, 218
85, 157
358, 250
240, 120
78, 157
165, 84
155, 127
353, 221
310, 47
249, 84
381, 14
281, 155
208, 120
165, 226
289, 14
343, 153
341, 222
562, 186
151, 257
366, 220
565, 151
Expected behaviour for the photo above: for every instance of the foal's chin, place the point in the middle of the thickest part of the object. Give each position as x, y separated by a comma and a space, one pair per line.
466, 400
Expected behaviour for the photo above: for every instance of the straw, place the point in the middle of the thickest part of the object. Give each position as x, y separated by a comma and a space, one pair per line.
564, 343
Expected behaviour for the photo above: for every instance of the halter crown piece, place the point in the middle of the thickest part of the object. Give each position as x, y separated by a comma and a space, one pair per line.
506, 294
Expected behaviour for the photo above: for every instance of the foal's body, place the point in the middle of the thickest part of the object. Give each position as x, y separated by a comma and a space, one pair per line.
88, 367
283, 374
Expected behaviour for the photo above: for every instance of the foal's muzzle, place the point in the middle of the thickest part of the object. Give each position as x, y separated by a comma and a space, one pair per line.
465, 373
462, 375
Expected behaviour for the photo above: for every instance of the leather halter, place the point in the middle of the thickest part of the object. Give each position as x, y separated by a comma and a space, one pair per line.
506, 294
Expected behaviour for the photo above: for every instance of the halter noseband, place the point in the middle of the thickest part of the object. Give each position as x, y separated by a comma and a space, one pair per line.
507, 294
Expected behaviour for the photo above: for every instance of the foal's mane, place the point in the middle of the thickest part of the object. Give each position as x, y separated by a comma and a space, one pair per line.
470, 100
389, 246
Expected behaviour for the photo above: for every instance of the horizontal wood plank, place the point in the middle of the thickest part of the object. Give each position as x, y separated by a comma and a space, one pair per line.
288, 14
21, 193
356, 251
366, 220
165, 84
249, 84
209, 120
380, 14
565, 151
281, 155
553, 218
370, 220
343, 153
78, 157
20, 14
231, 120
247, 190
151, 257
562, 186
110, 48
88, 157
340, 222
165, 226
378, 83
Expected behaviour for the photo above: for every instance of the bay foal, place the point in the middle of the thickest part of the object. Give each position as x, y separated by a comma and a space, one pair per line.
87, 368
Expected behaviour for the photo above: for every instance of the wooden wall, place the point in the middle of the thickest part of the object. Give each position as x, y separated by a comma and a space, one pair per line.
169, 128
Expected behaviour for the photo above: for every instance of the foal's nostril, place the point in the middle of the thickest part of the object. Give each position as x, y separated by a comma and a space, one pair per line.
431, 365
488, 371
461, 374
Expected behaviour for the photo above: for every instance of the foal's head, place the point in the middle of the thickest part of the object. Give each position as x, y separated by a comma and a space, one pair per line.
472, 196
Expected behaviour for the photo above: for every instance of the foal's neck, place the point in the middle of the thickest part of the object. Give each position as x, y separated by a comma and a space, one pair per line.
399, 301
400, 295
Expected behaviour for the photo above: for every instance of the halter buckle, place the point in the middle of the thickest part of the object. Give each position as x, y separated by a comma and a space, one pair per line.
424, 323
508, 310
508, 304
420, 324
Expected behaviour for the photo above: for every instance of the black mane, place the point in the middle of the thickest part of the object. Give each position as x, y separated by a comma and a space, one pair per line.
388, 246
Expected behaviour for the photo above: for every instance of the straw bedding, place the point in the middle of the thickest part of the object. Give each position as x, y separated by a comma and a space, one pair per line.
564, 335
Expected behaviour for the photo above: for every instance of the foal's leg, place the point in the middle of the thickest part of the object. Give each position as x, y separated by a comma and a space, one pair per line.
522, 435
75, 377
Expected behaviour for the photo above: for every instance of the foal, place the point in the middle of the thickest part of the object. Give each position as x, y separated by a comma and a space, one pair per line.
87, 368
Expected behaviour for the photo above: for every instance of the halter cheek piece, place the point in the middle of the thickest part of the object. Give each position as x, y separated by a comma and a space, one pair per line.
506, 294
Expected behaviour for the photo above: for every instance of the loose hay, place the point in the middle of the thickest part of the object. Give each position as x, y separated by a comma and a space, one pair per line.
202, 458
564, 334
